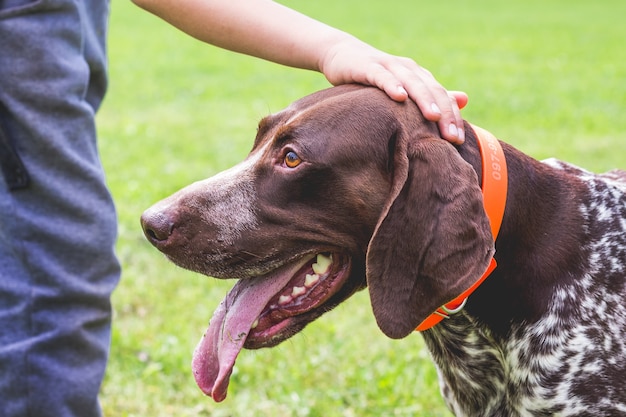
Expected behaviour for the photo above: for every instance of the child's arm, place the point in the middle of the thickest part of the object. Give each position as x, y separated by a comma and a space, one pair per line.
271, 31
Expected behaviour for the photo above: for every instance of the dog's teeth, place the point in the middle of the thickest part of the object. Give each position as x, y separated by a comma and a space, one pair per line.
322, 264
256, 323
298, 291
284, 299
311, 280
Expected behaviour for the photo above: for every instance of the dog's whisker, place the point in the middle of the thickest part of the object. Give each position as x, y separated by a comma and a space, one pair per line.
251, 254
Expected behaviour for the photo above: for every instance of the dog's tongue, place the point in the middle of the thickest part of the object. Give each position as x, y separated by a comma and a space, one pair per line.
215, 355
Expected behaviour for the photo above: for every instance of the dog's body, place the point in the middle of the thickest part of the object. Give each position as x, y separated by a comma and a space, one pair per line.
347, 189
568, 356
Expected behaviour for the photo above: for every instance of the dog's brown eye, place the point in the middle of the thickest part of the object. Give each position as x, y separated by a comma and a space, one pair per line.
292, 159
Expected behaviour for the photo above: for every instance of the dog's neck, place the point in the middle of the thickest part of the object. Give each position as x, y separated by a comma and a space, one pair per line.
531, 242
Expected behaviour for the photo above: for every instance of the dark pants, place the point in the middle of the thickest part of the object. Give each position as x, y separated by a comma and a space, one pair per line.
57, 233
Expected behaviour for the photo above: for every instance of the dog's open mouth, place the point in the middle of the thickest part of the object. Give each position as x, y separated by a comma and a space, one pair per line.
262, 312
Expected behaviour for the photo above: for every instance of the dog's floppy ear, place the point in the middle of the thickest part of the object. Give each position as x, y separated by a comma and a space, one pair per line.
432, 240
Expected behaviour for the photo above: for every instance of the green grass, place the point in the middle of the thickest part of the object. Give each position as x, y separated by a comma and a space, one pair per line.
547, 76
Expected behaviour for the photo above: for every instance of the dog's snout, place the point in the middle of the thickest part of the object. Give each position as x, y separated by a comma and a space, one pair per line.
156, 226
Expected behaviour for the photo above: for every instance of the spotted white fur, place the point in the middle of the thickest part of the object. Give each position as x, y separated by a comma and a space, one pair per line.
570, 362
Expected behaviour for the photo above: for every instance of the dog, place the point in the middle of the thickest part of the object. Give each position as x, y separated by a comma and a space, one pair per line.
346, 189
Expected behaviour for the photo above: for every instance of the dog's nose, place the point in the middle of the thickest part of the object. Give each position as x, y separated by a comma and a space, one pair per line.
156, 226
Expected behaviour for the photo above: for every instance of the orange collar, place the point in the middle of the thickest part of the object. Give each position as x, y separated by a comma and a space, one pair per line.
494, 186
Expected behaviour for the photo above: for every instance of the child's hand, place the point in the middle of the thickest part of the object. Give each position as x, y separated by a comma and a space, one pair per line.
352, 61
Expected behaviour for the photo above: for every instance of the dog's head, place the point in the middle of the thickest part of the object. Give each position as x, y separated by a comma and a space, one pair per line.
343, 189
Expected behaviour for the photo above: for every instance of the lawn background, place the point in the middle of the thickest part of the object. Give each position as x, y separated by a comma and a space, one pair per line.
548, 76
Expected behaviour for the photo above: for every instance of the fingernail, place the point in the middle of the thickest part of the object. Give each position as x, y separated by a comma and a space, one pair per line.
435, 108
461, 135
402, 91
453, 131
